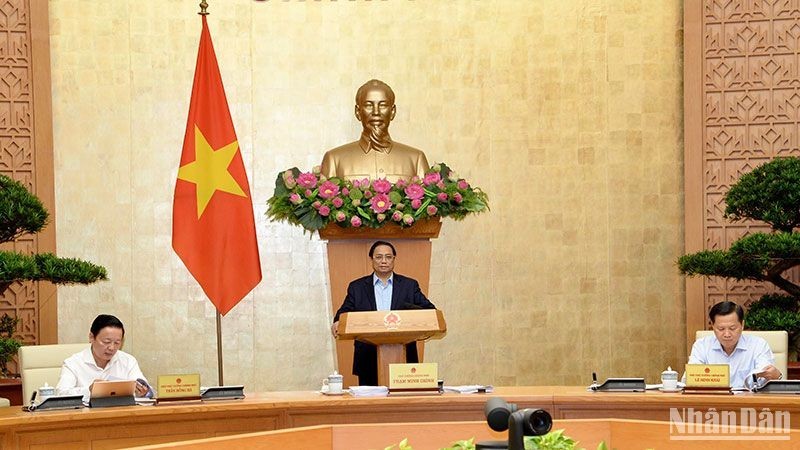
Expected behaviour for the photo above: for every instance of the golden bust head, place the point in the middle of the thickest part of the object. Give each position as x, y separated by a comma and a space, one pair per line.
375, 109
375, 155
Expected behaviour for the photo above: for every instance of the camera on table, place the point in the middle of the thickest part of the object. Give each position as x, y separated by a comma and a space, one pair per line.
502, 416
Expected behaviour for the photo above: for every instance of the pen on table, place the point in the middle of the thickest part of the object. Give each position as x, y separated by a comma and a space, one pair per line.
33, 397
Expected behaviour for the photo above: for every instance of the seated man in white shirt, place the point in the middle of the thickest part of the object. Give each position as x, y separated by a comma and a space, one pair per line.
103, 360
746, 355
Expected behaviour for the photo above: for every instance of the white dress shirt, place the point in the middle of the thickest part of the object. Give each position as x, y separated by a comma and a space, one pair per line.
751, 355
80, 371
383, 292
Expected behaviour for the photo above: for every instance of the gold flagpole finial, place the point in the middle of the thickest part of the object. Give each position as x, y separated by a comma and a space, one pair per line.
203, 8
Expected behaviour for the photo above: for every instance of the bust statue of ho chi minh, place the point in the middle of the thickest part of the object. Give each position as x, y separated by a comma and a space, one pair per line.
375, 155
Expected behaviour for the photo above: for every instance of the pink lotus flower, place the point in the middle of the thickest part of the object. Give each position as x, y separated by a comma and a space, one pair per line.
345, 191
337, 202
432, 178
414, 191
340, 216
328, 189
355, 221
356, 183
401, 183
400, 205
441, 196
307, 180
381, 186
408, 219
381, 217
380, 203
397, 216
308, 193
295, 198
365, 182
316, 204
431, 210
457, 198
463, 185
415, 179
288, 179
416, 203
440, 184
367, 194
324, 211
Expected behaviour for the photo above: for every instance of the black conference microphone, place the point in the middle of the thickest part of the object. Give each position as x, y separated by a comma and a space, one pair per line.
31, 405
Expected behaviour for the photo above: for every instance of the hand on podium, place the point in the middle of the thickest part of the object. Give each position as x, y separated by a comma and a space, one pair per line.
335, 329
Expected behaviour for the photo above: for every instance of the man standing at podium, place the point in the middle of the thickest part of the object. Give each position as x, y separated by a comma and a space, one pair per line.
384, 290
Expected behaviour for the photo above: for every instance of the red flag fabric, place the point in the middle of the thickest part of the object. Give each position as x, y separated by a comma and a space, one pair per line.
213, 229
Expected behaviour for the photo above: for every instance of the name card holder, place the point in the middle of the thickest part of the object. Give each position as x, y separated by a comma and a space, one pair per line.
178, 388
715, 390
223, 393
414, 378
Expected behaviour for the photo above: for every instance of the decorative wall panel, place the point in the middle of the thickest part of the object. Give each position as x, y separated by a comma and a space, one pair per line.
746, 54
19, 155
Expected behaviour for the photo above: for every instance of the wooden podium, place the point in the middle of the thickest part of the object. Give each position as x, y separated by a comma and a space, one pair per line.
390, 331
348, 260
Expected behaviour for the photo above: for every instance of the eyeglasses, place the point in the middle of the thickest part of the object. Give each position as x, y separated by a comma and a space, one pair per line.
383, 257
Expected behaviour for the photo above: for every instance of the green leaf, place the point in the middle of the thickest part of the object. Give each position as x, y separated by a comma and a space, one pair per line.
770, 193
20, 211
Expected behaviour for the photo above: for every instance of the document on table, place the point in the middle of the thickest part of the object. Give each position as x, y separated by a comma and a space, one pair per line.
470, 388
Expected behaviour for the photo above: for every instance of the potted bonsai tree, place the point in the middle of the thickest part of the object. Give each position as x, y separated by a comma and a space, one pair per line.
21, 213
771, 194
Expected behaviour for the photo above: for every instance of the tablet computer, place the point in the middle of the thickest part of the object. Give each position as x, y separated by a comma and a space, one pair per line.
102, 389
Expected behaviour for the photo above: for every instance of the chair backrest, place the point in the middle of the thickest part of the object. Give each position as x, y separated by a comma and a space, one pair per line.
42, 363
778, 342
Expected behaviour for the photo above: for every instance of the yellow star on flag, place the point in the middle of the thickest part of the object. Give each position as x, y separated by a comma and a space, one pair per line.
209, 170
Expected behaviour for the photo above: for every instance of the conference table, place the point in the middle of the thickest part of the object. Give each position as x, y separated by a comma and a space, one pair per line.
169, 422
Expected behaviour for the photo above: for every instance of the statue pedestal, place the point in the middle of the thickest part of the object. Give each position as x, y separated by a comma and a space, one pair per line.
348, 259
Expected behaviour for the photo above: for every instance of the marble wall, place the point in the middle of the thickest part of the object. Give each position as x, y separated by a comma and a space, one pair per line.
567, 113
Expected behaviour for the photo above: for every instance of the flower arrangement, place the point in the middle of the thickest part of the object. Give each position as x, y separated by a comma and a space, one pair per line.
313, 201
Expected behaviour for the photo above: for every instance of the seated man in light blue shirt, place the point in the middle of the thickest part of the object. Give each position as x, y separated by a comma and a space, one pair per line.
746, 355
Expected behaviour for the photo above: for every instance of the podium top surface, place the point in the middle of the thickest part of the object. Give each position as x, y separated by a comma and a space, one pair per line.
392, 327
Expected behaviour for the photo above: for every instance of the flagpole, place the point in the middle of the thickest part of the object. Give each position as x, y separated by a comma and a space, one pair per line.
219, 348
203, 12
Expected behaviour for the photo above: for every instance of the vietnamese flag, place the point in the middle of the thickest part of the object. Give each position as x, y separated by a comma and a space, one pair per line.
213, 230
